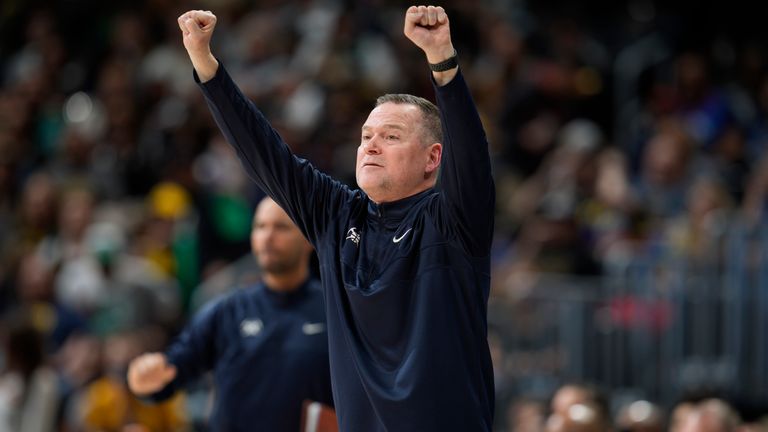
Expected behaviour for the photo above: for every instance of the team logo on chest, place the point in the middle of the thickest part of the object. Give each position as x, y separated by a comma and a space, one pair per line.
251, 327
353, 235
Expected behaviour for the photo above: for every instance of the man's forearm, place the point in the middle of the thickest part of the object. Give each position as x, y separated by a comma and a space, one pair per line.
206, 66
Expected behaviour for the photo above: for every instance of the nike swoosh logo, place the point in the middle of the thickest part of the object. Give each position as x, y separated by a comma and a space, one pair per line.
397, 239
310, 329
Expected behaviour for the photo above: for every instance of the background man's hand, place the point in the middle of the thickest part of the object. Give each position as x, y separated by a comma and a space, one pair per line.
149, 373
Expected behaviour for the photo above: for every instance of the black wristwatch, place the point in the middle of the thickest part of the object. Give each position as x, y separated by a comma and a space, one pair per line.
445, 65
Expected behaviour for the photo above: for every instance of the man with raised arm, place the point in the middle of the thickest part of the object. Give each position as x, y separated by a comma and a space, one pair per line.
404, 261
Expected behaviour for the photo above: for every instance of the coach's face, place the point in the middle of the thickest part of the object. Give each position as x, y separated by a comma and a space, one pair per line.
393, 160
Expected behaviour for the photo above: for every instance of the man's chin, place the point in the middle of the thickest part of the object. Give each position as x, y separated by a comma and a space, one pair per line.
284, 266
363, 184
270, 266
368, 184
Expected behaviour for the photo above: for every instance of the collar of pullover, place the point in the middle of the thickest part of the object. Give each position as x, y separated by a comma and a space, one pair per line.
285, 298
395, 210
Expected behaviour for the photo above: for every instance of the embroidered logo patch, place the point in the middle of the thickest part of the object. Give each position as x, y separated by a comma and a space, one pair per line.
251, 327
353, 235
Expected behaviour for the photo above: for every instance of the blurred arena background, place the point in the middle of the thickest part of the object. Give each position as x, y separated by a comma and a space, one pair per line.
629, 144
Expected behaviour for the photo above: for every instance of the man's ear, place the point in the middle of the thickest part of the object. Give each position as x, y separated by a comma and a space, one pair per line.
435, 156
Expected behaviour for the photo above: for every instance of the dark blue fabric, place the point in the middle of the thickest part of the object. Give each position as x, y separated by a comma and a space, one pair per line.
407, 318
268, 352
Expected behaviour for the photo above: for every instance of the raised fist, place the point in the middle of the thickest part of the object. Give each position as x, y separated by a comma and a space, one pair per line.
427, 27
197, 28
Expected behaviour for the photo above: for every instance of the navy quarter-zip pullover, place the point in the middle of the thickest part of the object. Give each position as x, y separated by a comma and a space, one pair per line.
406, 283
268, 352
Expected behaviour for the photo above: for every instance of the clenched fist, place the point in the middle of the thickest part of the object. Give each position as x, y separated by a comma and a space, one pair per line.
197, 29
149, 373
427, 27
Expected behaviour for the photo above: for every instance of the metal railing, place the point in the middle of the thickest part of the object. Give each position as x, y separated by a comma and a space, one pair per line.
661, 325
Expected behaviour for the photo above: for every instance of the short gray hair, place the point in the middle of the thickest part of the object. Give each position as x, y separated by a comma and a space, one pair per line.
432, 128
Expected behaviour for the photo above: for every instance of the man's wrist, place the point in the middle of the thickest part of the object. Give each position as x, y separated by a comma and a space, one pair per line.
445, 65
441, 54
206, 66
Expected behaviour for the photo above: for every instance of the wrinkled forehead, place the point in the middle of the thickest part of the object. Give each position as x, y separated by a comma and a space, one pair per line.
402, 116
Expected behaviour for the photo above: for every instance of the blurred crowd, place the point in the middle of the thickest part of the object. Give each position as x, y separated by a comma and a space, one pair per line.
615, 133
579, 407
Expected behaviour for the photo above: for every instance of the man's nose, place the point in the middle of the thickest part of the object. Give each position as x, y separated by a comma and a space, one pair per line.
268, 234
372, 146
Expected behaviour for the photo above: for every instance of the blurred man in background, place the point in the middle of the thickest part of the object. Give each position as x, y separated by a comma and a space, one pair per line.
266, 345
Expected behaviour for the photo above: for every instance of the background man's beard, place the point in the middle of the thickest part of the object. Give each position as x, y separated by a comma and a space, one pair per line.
279, 267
